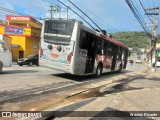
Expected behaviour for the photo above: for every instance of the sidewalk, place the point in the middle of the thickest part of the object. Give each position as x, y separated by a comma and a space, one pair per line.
138, 95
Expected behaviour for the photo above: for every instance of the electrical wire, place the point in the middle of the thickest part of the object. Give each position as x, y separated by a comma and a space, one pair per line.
138, 9
86, 15
145, 11
77, 14
138, 13
138, 17
80, 4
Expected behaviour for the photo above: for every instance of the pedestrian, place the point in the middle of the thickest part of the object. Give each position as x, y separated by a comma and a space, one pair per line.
131, 61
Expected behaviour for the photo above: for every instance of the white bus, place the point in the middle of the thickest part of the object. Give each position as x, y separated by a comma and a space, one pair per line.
5, 54
69, 46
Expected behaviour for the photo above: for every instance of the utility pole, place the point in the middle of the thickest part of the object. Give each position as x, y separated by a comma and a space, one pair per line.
63, 11
53, 9
153, 12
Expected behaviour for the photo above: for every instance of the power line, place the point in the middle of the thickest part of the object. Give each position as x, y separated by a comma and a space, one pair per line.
138, 9
138, 17
86, 16
145, 11
76, 14
97, 16
137, 12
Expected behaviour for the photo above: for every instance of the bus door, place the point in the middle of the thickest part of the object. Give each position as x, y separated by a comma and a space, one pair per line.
83, 40
87, 44
91, 47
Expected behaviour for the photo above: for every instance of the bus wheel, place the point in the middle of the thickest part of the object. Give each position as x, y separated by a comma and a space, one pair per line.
99, 70
30, 64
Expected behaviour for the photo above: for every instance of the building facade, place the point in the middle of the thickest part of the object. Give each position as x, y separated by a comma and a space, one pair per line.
25, 33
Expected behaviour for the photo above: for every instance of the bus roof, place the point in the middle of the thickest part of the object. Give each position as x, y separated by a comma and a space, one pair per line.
100, 35
114, 41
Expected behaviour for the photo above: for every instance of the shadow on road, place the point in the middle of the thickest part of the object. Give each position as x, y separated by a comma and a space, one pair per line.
87, 77
115, 114
154, 78
18, 71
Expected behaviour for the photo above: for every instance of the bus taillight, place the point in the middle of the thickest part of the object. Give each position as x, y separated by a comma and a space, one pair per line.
41, 52
69, 57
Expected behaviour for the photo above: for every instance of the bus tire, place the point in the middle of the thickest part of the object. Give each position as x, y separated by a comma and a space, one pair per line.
99, 70
37, 64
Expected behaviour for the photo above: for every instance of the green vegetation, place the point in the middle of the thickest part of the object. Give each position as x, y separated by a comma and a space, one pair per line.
133, 39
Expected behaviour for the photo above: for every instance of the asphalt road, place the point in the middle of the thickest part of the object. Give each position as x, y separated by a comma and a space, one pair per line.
17, 78
26, 78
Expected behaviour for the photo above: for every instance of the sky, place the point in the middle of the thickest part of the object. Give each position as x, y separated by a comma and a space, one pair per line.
110, 15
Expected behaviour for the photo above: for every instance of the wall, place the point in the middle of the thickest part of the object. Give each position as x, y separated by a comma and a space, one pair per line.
8, 41
31, 42
1, 29
21, 41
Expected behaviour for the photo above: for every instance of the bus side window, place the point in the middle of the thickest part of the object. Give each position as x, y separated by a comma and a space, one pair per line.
99, 48
105, 45
109, 49
83, 40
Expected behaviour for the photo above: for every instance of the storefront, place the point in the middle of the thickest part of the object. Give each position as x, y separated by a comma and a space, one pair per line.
25, 33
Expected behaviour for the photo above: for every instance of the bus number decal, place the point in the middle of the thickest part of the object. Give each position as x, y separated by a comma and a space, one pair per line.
54, 55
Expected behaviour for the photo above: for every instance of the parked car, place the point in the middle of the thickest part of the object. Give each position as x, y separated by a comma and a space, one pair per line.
158, 62
31, 60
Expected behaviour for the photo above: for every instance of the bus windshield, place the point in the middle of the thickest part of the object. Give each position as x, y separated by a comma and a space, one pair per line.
56, 27
58, 32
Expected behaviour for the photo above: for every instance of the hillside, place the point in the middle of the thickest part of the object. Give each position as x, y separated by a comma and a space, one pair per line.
133, 39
